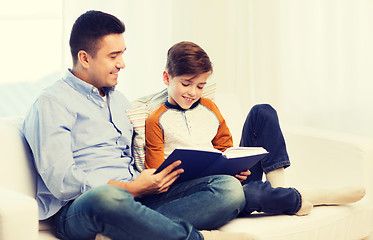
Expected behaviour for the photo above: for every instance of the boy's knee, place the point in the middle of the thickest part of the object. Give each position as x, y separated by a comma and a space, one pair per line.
264, 112
264, 109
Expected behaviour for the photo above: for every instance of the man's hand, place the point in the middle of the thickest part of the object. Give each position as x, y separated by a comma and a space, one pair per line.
243, 175
149, 183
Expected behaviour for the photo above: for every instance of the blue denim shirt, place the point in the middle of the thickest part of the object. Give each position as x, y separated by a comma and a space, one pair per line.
79, 141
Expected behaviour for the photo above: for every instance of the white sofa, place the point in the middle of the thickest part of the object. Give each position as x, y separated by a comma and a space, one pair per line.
319, 158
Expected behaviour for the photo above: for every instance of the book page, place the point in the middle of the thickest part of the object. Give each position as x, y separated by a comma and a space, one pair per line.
235, 152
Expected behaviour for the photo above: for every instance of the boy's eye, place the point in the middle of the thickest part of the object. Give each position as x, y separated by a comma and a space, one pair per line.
185, 84
200, 87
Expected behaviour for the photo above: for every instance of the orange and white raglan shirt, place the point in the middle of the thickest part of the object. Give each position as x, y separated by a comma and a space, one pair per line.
169, 127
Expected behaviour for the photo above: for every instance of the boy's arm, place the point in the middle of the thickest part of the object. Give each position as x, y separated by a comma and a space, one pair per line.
223, 138
154, 155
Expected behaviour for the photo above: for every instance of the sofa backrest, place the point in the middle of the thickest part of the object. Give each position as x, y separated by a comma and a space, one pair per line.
17, 169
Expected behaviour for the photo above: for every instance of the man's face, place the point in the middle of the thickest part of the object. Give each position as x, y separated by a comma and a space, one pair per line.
105, 65
185, 90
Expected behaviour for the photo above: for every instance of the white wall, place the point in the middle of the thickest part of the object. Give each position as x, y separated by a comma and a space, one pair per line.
31, 39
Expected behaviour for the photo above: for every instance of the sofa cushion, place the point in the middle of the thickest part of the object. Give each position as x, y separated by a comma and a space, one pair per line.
345, 222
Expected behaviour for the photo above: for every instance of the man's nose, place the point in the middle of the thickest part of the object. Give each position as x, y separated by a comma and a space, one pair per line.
120, 64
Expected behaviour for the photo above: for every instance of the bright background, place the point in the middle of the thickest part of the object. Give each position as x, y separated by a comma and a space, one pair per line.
310, 59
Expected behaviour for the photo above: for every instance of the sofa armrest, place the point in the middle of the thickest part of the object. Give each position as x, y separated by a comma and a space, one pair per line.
18, 216
327, 158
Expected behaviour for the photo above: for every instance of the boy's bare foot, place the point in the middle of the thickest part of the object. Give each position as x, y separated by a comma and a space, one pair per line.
305, 208
101, 237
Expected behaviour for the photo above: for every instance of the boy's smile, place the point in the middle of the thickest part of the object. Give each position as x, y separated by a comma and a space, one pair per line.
185, 90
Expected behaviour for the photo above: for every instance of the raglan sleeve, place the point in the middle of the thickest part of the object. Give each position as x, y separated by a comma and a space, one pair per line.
223, 138
154, 153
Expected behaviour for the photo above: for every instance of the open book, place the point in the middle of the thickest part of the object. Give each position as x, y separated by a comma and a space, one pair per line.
201, 163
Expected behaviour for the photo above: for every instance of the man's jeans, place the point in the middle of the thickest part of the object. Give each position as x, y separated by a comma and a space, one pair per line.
205, 203
262, 129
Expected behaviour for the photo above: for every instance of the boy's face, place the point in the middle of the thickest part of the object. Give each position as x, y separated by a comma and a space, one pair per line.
184, 90
105, 65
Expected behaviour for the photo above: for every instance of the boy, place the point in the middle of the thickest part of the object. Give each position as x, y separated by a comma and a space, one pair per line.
188, 121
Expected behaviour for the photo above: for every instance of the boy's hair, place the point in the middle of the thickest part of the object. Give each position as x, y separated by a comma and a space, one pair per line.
187, 58
88, 30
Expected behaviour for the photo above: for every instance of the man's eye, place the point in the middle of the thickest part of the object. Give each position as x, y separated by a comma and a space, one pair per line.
185, 84
200, 87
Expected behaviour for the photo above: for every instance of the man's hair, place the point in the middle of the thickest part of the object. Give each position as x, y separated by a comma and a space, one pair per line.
187, 58
88, 30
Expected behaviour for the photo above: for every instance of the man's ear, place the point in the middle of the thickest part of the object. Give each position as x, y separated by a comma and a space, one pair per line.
83, 58
166, 77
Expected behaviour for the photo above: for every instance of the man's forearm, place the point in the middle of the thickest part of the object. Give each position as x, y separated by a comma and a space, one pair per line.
128, 186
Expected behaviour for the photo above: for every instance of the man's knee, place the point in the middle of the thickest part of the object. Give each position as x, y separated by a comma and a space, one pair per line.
108, 198
230, 190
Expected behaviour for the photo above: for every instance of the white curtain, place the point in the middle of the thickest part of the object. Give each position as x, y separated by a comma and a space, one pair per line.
313, 61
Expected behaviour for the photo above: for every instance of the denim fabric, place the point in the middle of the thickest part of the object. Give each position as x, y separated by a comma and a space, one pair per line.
261, 197
204, 203
262, 129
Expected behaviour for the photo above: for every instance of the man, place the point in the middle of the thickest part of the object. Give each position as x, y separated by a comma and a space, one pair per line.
81, 138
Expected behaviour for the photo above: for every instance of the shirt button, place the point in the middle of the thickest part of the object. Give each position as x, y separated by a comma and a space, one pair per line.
94, 90
102, 105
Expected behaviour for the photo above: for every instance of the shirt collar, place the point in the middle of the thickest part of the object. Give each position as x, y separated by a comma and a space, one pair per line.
82, 86
177, 107
85, 88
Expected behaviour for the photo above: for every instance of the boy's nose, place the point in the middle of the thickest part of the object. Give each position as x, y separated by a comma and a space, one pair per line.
192, 91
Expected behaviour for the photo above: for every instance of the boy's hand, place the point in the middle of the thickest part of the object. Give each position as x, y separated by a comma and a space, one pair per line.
243, 175
149, 183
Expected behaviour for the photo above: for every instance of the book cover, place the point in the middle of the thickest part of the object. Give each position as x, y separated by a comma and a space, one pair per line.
201, 163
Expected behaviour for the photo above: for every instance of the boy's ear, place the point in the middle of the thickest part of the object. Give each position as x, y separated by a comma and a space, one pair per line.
83, 58
166, 77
